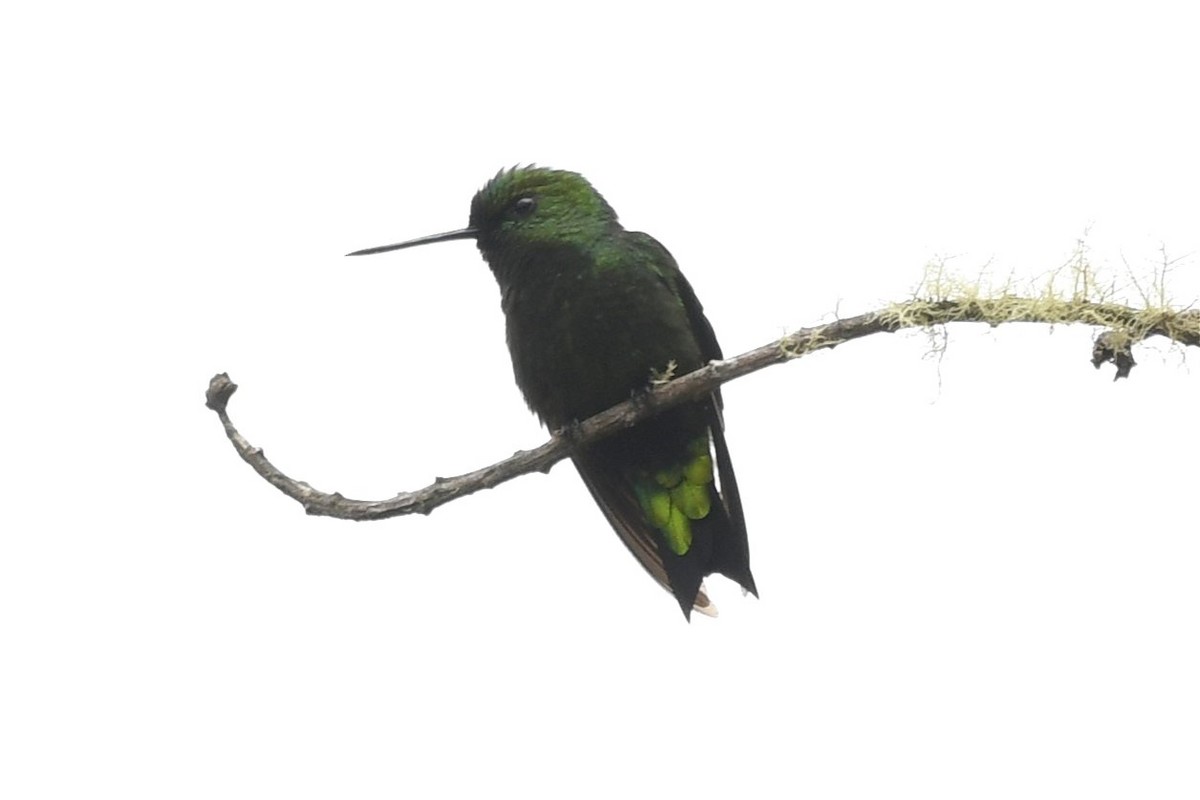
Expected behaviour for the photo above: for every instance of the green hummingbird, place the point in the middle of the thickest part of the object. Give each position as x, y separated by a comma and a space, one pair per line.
593, 313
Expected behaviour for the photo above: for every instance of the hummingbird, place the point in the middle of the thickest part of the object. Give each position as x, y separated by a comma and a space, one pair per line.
594, 314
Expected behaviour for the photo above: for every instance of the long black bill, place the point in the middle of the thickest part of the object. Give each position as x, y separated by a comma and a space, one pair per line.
465, 233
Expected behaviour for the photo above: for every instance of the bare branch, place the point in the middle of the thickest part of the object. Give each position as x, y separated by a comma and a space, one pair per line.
1124, 327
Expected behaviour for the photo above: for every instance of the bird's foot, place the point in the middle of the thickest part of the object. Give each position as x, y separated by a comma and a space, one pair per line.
658, 377
572, 432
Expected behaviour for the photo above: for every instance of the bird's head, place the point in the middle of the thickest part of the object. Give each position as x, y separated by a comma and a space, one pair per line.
526, 209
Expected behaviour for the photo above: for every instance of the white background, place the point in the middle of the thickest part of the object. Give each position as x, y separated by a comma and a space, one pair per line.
978, 571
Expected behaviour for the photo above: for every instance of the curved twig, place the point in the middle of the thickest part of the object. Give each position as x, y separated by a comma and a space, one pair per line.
1125, 327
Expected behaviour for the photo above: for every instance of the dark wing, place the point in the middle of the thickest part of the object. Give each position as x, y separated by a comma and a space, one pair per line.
732, 556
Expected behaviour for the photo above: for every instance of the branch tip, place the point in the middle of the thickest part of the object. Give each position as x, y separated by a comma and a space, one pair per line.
220, 389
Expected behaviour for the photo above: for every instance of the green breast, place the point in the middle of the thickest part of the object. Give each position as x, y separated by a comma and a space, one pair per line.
584, 336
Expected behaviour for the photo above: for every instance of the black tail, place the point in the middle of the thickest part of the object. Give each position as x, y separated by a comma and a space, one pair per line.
731, 554
718, 541
679, 575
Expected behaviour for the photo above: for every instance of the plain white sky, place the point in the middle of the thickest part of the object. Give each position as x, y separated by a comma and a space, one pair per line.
978, 571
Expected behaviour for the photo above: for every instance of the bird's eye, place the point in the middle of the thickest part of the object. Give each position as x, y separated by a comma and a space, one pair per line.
524, 206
